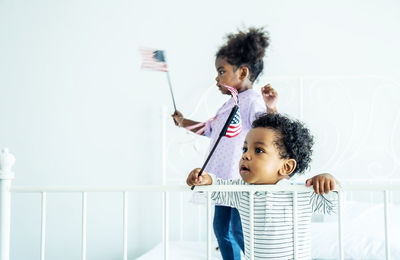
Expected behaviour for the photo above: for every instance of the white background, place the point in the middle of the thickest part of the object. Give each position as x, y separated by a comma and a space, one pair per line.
76, 109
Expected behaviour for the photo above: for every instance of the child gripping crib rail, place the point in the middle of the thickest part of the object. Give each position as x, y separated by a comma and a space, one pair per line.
274, 150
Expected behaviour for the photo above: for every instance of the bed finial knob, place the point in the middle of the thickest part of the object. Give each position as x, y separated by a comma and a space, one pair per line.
7, 161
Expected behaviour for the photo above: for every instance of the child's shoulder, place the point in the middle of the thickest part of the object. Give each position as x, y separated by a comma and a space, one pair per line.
250, 94
251, 98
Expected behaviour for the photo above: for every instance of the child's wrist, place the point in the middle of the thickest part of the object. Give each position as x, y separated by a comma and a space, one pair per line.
180, 123
271, 109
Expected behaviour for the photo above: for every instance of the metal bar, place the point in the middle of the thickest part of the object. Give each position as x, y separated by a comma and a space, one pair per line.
387, 241
165, 224
84, 227
185, 188
199, 223
340, 225
294, 225
164, 180
251, 198
43, 228
181, 216
209, 226
163, 145
125, 225
5, 218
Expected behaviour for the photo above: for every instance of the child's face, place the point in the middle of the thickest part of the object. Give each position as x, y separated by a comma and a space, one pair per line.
227, 75
261, 162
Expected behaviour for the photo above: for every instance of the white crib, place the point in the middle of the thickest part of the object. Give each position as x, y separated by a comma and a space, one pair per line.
309, 90
6, 176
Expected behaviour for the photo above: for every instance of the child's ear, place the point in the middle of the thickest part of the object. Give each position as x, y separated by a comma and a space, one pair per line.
244, 72
288, 167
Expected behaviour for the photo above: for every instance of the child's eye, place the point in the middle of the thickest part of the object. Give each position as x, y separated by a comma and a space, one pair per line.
244, 149
221, 72
259, 150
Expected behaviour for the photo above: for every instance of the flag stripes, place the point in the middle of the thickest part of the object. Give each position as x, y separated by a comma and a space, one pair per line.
153, 60
235, 127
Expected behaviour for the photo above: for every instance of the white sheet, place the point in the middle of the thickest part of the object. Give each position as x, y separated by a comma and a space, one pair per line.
363, 233
182, 251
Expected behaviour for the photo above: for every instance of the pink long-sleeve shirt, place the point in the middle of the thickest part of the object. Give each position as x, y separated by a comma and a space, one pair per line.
224, 163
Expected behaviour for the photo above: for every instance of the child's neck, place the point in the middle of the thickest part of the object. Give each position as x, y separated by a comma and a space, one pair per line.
244, 88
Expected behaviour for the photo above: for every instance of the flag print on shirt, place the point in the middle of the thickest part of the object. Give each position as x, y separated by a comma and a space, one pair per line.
235, 127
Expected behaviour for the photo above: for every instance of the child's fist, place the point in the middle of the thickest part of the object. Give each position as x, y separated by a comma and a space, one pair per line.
177, 117
194, 179
270, 96
322, 183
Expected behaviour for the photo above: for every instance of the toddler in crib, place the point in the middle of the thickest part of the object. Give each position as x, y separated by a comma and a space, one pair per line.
274, 150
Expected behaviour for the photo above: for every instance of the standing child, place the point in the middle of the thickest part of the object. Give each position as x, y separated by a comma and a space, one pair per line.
274, 150
238, 63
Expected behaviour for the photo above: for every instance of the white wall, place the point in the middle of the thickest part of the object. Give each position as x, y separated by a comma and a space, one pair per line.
76, 109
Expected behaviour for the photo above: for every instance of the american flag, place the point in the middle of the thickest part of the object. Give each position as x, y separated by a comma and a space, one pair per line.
235, 127
153, 60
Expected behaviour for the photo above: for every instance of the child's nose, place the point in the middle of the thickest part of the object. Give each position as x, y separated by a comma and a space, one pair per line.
246, 156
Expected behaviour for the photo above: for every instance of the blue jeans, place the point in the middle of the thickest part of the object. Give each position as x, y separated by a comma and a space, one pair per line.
228, 230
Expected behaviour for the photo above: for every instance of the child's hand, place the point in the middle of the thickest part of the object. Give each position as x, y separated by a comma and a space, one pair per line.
194, 179
270, 97
322, 183
178, 118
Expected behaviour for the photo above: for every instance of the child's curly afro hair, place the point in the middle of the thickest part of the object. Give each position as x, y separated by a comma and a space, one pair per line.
246, 48
294, 139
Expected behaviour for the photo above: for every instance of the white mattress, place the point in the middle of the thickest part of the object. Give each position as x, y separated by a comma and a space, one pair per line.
182, 251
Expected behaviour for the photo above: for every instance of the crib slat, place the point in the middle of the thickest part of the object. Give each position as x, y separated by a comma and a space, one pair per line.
251, 197
387, 241
164, 145
340, 224
199, 226
209, 226
294, 225
43, 229
181, 216
5, 215
84, 217
165, 224
125, 221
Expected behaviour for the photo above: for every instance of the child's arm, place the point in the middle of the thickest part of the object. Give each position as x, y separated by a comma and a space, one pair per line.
180, 121
270, 97
322, 183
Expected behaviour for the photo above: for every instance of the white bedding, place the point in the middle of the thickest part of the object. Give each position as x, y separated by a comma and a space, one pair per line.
363, 237
363, 233
182, 251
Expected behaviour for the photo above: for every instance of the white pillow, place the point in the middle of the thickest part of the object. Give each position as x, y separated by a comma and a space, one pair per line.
363, 233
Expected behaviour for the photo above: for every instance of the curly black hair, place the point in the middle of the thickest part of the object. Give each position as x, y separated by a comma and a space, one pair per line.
294, 139
246, 49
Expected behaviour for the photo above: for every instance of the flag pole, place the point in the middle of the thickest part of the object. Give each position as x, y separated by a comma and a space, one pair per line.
170, 89
223, 132
164, 59
155, 60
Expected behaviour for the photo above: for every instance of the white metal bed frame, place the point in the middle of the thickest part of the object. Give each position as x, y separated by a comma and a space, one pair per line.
6, 176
